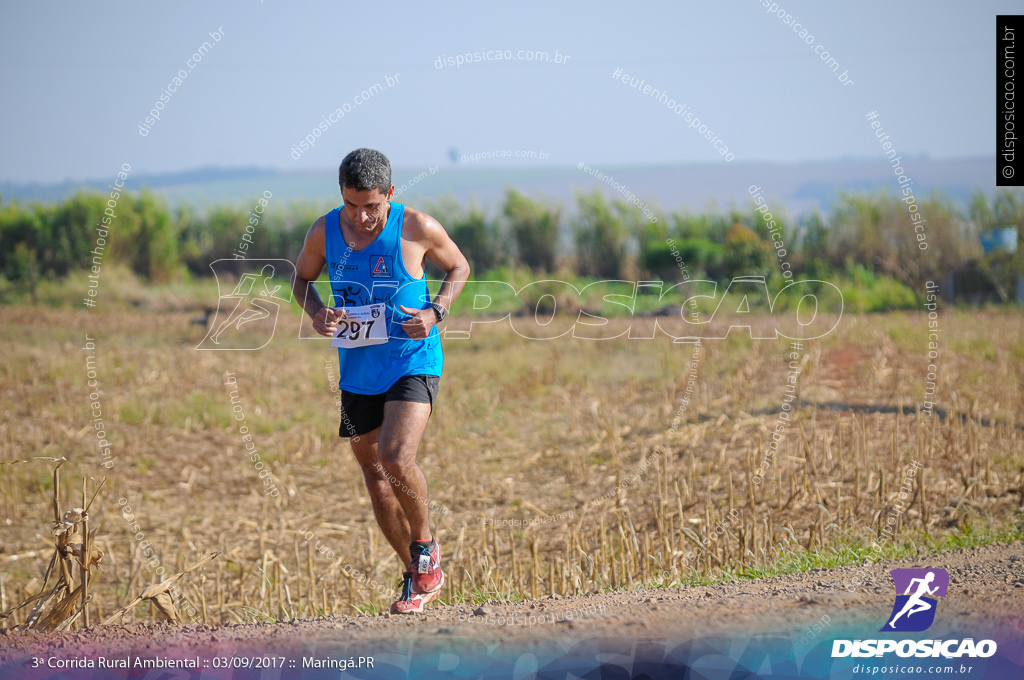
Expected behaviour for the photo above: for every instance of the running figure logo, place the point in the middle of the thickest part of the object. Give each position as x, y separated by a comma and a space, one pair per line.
915, 608
256, 297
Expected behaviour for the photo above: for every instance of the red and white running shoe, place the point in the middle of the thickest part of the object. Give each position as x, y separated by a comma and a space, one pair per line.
427, 576
410, 602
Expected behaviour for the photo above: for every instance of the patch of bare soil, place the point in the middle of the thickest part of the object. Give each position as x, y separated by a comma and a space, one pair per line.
985, 600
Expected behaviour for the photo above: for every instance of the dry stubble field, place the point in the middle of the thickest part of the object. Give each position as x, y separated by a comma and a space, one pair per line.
522, 430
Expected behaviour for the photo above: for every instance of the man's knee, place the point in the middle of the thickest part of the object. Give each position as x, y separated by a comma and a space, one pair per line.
376, 483
394, 460
379, 482
372, 471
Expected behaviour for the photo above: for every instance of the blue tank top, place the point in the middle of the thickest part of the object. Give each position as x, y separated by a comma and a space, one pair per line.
372, 275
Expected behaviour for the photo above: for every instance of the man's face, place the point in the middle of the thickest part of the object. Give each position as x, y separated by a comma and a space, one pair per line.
367, 209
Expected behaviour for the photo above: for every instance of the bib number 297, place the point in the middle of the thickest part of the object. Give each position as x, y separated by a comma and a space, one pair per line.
362, 326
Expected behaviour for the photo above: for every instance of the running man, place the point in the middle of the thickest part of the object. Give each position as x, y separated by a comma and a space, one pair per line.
915, 603
389, 351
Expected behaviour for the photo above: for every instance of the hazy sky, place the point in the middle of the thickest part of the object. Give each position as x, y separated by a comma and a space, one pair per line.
77, 79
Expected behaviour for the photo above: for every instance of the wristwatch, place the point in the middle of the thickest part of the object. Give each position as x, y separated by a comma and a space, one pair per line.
439, 310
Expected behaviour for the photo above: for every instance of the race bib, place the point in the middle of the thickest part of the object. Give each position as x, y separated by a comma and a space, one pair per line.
363, 326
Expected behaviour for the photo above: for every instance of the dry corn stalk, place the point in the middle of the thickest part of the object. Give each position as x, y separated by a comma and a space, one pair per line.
158, 593
61, 606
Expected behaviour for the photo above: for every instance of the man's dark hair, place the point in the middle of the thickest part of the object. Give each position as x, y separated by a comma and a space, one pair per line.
365, 169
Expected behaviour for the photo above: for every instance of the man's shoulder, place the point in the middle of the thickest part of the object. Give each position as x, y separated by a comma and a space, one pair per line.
418, 225
316, 236
319, 226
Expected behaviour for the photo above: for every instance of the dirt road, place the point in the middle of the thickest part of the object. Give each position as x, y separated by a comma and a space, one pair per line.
783, 620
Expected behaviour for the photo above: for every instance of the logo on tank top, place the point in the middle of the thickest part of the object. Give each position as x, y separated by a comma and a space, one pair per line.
381, 266
342, 267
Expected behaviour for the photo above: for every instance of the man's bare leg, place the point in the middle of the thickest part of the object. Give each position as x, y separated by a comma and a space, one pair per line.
387, 510
400, 434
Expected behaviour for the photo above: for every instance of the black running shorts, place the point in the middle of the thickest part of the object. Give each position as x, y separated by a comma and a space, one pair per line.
362, 413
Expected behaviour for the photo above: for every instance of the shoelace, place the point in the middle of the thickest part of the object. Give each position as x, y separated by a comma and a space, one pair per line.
407, 588
426, 551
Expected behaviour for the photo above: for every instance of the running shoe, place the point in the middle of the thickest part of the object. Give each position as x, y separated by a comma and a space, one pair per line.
427, 576
411, 602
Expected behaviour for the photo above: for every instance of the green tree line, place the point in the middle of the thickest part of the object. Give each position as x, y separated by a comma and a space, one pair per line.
867, 237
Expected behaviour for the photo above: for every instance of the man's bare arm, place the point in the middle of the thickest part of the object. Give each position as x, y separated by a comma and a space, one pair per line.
440, 249
312, 259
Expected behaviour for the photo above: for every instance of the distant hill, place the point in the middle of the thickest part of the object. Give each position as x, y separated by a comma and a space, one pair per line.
166, 183
802, 186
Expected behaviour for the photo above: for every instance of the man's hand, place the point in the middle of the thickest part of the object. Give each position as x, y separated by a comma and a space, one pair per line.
325, 321
418, 327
